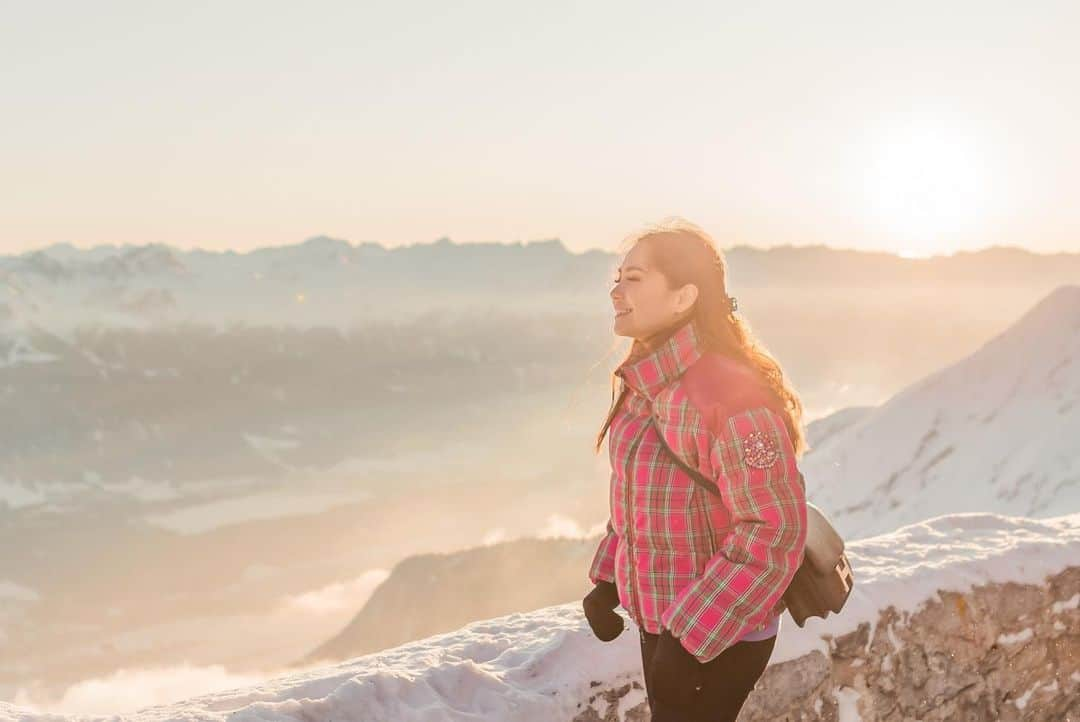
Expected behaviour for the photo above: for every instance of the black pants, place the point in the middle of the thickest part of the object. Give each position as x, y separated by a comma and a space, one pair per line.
726, 681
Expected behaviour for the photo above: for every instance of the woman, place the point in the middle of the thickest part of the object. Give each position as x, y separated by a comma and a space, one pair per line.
701, 574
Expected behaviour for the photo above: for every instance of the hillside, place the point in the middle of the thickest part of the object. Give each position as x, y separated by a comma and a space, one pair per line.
996, 431
430, 593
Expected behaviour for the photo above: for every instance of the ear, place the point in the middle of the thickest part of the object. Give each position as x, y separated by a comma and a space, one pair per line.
687, 295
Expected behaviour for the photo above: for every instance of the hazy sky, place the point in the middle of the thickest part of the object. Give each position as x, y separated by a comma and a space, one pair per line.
917, 127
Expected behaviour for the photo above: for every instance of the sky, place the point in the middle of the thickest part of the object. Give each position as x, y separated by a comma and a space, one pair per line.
918, 128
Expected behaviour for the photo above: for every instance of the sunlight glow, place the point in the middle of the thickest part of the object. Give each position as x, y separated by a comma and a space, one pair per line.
925, 187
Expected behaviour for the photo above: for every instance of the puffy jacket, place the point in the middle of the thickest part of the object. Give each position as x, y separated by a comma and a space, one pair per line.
709, 569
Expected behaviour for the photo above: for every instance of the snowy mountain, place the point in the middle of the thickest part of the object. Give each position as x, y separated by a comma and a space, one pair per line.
997, 431
820, 430
1000, 593
322, 282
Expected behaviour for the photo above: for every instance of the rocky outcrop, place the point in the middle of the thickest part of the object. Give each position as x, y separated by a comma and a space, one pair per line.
1000, 651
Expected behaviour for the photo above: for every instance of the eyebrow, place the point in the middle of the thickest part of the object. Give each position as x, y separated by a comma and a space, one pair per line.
631, 268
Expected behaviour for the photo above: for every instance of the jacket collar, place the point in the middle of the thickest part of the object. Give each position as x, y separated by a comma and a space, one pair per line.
648, 373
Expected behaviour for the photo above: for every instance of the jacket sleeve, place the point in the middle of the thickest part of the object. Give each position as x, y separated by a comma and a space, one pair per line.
603, 563
754, 465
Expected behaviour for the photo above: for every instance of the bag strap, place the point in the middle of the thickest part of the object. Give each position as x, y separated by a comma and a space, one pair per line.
699, 478
694, 474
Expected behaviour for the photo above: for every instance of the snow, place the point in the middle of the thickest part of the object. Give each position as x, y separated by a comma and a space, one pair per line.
11, 591
995, 432
16, 495
1071, 603
1022, 701
22, 352
539, 665
147, 490
1021, 636
847, 705
270, 448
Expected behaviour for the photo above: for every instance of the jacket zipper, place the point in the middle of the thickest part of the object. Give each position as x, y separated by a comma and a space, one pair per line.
693, 477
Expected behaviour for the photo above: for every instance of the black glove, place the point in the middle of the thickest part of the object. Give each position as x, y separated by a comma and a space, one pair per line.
599, 606
674, 672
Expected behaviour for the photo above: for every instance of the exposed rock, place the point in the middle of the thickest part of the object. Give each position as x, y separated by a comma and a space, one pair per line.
1008, 652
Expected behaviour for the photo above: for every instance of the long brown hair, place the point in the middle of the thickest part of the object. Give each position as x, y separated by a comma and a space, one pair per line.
685, 253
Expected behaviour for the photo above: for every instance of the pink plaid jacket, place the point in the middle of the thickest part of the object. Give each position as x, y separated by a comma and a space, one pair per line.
709, 569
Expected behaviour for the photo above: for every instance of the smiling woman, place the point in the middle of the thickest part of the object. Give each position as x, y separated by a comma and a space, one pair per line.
926, 188
701, 576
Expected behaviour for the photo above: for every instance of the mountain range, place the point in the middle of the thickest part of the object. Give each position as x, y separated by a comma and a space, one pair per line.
332, 282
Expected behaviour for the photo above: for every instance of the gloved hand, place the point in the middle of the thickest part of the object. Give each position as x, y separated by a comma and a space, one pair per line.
599, 606
675, 673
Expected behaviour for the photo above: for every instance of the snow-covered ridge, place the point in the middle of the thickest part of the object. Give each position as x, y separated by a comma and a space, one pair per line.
544, 665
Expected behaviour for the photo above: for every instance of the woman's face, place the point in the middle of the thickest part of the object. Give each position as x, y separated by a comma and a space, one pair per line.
644, 305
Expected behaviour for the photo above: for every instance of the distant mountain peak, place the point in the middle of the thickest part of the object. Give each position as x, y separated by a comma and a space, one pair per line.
1056, 316
327, 242
45, 265
149, 259
548, 245
1063, 300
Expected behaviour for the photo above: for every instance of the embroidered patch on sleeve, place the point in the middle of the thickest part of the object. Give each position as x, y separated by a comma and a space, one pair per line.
760, 449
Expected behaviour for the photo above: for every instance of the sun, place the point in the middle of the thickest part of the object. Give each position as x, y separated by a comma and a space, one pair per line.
925, 188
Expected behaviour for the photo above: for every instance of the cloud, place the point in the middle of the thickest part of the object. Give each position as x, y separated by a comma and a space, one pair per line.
495, 536
127, 690
339, 596
559, 526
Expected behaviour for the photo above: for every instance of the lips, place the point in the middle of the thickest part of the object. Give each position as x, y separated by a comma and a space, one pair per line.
623, 312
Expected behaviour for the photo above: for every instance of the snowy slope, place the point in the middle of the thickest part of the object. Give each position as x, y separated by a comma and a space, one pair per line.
998, 431
538, 666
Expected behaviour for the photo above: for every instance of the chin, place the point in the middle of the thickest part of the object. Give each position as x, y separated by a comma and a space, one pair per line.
628, 333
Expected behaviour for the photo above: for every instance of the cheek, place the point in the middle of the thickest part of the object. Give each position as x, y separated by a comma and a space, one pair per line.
647, 316
650, 303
